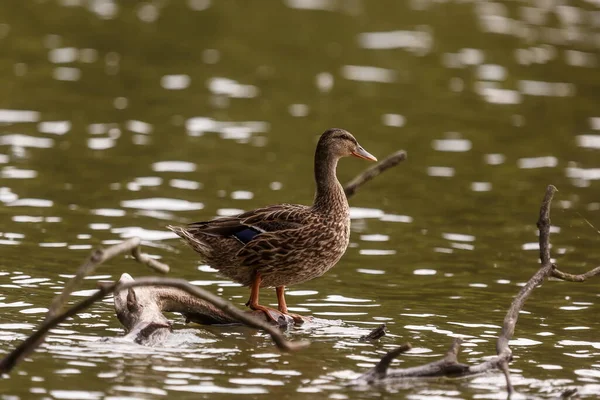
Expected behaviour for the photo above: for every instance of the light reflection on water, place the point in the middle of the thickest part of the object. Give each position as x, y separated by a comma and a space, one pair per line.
125, 136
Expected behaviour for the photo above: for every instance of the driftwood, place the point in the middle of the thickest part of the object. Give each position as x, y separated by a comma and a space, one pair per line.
147, 324
143, 306
449, 365
55, 316
223, 305
390, 161
140, 311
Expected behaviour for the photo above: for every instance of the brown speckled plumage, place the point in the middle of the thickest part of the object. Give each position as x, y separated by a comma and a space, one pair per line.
292, 243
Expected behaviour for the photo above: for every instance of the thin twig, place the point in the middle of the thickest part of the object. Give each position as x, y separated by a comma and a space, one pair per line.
503, 366
98, 257
370, 173
149, 261
379, 371
567, 394
575, 278
375, 334
543, 225
452, 354
37, 337
54, 314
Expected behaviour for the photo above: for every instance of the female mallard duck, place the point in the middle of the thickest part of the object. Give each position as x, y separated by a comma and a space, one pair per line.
284, 244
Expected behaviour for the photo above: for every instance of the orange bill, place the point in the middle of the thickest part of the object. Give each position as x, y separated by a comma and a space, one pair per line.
362, 153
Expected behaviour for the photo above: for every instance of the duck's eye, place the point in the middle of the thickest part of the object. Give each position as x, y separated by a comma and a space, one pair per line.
345, 136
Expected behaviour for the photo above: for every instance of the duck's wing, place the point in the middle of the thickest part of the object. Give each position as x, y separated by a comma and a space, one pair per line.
270, 248
247, 226
295, 227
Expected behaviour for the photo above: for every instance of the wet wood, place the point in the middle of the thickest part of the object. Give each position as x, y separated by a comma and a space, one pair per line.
225, 306
141, 303
153, 328
55, 315
449, 365
375, 334
390, 161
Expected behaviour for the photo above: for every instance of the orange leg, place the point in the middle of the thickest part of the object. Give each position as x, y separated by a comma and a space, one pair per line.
283, 306
281, 299
254, 289
254, 298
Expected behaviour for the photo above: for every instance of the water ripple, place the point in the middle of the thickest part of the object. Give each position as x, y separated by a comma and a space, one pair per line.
13, 116
537, 162
76, 394
231, 88
368, 74
31, 203
54, 127
160, 203
139, 127
410, 40
174, 166
452, 145
144, 234
211, 388
175, 82
20, 140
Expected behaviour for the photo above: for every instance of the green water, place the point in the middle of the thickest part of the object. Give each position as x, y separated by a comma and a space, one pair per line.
118, 118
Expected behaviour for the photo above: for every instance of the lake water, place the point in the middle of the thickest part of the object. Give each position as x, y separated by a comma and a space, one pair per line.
118, 118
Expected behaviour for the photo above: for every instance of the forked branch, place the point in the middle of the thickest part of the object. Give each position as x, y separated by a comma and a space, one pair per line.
449, 366
54, 315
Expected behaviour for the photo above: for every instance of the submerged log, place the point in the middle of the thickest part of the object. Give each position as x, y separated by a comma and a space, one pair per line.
140, 311
150, 330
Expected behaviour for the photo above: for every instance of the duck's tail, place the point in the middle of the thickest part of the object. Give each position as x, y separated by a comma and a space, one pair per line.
192, 240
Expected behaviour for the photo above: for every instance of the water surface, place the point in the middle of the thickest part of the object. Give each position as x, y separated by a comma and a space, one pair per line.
118, 118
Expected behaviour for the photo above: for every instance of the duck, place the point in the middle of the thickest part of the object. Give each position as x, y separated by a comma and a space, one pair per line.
283, 244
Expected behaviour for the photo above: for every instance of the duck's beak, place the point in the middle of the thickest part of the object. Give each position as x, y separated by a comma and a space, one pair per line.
362, 153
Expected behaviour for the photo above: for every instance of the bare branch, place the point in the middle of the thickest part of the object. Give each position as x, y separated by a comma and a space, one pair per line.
37, 337
149, 261
370, 173
98, 257
452, 354
54, 315
512, 316
449, 365
543, 225
575, 278
379, 371
504, 368
375, 334
567, 394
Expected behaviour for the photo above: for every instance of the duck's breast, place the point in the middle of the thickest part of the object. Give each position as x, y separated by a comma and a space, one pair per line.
309, 253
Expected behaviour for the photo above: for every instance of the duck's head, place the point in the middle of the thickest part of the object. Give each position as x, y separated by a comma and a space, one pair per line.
341, 143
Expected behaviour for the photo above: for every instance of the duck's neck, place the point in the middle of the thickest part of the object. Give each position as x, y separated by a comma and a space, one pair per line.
330, 194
